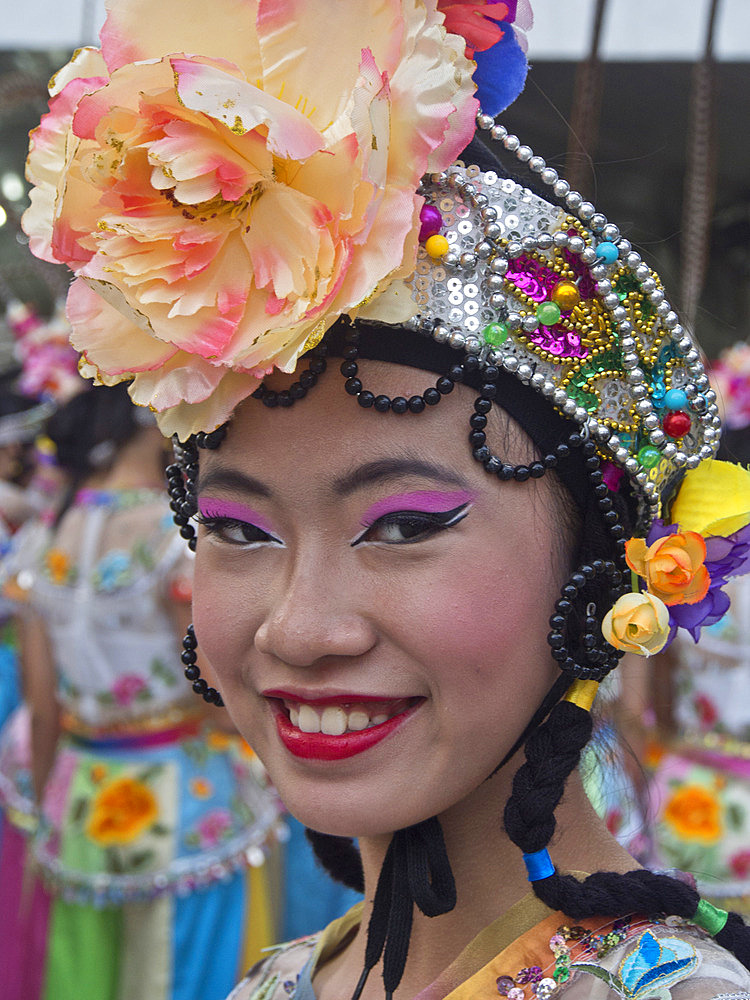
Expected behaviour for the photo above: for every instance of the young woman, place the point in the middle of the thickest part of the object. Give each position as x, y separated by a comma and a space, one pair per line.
392, 612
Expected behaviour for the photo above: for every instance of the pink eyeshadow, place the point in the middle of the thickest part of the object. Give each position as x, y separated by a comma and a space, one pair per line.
427, 501
235, 511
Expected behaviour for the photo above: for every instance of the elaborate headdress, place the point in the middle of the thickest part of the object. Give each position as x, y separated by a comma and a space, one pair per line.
229, 202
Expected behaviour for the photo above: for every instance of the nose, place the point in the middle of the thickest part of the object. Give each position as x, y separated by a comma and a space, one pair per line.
314, 615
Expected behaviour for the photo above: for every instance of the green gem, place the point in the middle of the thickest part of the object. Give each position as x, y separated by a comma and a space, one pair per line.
548, 313
649, 456
495, 334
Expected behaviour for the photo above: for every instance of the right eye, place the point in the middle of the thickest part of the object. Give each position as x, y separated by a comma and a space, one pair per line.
233, 532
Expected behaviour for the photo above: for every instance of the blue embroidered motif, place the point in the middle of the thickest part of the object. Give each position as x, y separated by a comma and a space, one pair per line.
656, 963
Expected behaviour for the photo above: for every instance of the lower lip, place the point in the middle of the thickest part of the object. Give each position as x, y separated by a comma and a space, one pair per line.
319, 746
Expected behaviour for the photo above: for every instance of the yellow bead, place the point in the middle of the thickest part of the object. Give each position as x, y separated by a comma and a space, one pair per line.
436, 246
566, 295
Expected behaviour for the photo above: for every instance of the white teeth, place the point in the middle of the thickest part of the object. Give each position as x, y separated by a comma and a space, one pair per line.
377, 719
333, 721
358, 720
294, 715
309, 720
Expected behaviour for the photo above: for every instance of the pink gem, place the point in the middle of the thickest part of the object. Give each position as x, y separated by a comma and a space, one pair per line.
431, 222
612, 476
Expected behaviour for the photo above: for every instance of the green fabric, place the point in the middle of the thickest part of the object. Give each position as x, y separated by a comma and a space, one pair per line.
83, 958
710, 917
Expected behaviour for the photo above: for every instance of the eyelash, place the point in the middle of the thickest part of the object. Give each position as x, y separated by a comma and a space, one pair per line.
219, 526
430, 523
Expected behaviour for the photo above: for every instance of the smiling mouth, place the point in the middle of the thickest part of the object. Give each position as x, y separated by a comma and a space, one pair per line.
336, 728
343, 718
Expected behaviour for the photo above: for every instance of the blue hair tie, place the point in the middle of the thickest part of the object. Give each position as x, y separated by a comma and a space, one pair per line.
539, 865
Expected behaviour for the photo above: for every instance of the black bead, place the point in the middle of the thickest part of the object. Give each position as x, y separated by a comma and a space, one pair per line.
200, 686
399, 405
431, 396
601, 491
610, 517
297, 390
617, 531
557, 622
445, 385
349, 368
477, 438
307, 379
366, 398
569, 591
350, 353
599, 566
559, 654
269, 399
193, 543
536, 470
173, 472
192, 673
589, 449
352, 335
285, 398
478, 421
190, 642
556, 640
188, 656
318, 366
187, 531
521, 473
550, 461
471, 363
592, 463
481, 454
588, 571
416, 404
562, 450
493, 465
456, 373
492, 373
506, 472
578, 580
382, 404
596, 477
180, 520
353, 386
482, 405
575, 440
489, 391
564, 606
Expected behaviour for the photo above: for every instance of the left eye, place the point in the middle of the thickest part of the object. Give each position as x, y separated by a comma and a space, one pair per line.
405, 527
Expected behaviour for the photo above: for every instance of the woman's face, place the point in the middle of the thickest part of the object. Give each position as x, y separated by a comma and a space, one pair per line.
362, 574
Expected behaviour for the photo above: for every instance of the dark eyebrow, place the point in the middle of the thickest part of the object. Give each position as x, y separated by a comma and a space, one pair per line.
386, 469
231, 479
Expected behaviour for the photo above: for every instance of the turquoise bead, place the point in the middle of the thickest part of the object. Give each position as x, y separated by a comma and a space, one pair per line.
608, 252
675, 399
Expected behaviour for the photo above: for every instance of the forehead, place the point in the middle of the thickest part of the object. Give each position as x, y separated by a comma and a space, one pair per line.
327, 435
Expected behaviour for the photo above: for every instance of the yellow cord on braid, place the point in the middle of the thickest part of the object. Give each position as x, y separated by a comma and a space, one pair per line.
582, 693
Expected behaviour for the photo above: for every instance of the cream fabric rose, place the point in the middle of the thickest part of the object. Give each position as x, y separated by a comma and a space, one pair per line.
638, 623
223, 193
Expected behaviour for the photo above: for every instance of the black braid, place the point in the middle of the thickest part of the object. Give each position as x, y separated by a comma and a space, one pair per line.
339, 857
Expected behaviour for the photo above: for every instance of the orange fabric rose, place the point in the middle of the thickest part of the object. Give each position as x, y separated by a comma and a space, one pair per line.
694, 813
122, 810
672, 567
638, 623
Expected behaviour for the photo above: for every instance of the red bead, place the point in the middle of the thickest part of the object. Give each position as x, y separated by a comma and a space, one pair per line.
676, 424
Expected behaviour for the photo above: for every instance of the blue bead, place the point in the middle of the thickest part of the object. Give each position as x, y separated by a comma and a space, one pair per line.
675, 399
539, 865
608, 252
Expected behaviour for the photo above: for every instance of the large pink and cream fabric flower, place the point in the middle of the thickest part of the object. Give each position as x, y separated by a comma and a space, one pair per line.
224, 181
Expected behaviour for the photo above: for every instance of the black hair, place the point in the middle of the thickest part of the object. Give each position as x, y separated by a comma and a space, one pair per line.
88, 431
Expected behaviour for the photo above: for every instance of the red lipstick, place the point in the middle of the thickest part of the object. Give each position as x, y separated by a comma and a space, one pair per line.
321, 746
